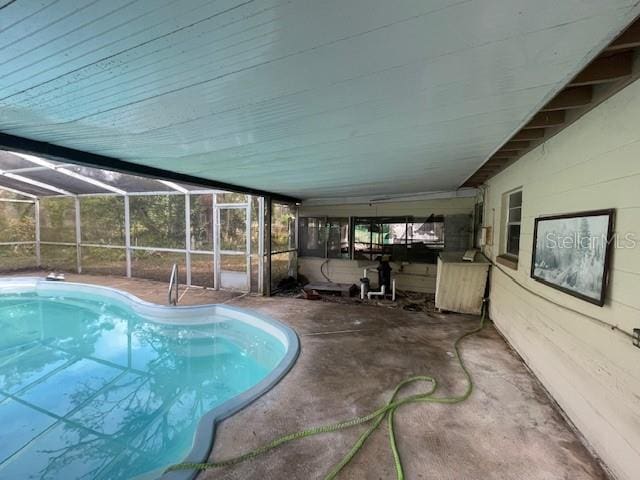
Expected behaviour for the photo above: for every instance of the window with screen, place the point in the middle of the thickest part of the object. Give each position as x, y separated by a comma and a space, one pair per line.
514, 216
338, 238
313, 236
377, 236
324, 237
426, 239
403, 238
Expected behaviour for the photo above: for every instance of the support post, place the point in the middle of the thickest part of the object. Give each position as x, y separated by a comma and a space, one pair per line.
327, 232
261, 263
351, 236
37, 221
187, 239
127, 234
296, 231
78, 236
216, 243
267, 258
248, 242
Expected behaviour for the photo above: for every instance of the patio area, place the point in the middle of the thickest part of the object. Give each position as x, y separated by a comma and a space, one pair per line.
351, 357
148, 290
372, 178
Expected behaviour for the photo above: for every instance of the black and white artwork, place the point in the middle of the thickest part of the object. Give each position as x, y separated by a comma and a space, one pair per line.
571, 253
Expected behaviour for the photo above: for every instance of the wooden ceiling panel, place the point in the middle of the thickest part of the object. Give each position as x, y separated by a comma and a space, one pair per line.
608, 72
306, 99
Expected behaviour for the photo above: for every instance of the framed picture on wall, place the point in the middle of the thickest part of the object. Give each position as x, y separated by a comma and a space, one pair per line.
571, 253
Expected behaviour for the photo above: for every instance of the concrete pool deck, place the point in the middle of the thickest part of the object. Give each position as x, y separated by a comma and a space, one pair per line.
351, 357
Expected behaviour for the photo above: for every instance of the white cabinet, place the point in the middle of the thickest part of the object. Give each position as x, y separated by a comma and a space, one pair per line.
460, 284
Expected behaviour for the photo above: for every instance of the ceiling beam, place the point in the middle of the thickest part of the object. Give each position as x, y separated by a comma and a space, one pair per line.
630, 38
36, 168
57, 152
174, 186
70, 173
611, 71
502, 156
605, 69
491, 169
35, 183
573, 97
18, 192
530, 134
546, 119
508, 153
493, 161
515, 145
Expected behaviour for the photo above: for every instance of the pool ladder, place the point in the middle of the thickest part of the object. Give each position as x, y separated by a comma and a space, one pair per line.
173, 295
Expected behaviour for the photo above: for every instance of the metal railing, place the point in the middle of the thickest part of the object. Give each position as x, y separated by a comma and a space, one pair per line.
173, 294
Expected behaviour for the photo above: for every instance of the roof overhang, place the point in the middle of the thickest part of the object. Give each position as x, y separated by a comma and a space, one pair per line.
70, 155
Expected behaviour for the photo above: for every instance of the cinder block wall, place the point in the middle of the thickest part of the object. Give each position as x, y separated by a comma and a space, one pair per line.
592, 371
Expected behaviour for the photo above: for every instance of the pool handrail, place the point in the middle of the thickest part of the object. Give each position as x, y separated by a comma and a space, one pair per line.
173, 281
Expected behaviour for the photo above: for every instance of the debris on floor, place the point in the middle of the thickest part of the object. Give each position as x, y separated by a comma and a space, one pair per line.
345, 294
288, 285
342, 289
310, 295
412, 307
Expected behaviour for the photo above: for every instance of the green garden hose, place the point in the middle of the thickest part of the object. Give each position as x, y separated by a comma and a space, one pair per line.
388, 410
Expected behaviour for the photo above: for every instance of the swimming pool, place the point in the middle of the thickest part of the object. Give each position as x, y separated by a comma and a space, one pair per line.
96, 383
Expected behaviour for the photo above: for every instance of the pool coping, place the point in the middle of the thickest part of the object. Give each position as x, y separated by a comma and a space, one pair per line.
204, 438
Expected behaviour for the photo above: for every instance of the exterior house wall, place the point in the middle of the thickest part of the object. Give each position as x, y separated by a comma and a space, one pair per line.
592, 371
414, 277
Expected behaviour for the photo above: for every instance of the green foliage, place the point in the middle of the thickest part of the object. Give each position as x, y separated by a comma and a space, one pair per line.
17, 257
58, 220
283, 234
202, 222
17, 222
102, 220
59, 257
158, 221
103, 261
233, 225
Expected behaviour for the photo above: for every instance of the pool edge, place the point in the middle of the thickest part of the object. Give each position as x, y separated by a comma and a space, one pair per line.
208, 423
204, 438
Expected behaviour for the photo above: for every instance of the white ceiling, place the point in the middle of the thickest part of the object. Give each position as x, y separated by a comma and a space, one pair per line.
311, 98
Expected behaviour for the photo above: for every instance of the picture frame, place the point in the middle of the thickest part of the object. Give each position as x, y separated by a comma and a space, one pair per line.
572, 253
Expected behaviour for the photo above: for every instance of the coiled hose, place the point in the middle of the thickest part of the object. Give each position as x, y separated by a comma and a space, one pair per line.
377, 416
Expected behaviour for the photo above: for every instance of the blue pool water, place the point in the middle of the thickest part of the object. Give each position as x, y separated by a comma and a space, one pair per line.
91, 386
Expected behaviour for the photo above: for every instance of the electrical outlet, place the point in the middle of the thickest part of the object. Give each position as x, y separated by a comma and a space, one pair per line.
636, 337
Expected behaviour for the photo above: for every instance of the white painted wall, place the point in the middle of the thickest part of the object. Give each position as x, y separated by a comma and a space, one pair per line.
414, 277
592, 371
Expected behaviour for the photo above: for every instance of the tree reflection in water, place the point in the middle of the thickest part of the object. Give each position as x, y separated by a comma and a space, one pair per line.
135, 410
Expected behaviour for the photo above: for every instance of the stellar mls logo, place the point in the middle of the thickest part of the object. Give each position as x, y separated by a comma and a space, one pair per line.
580, 241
